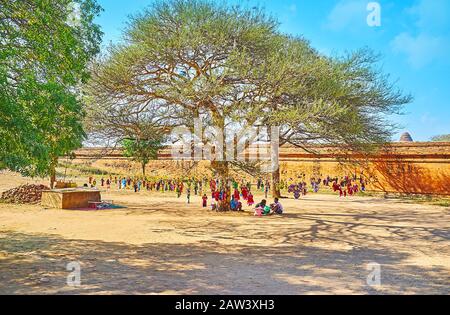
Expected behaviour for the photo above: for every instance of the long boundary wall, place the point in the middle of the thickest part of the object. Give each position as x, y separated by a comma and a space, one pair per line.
416, 167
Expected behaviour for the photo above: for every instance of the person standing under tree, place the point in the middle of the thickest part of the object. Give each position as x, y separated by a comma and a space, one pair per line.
250, 200
178, 189
205, 201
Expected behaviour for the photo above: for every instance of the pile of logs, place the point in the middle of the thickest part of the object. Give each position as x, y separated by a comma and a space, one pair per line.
24, 194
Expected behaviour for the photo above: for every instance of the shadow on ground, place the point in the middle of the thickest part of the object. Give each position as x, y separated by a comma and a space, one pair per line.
32, 264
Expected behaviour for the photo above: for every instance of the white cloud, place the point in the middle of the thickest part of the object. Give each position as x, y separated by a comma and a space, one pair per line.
292, 8
427, 119
431, 15
290, 12
347, 13
428, 39
420, 50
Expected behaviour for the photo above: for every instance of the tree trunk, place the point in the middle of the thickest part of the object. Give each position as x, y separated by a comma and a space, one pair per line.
275, 160
143, 168
53, 173
222, 169
52, 179
276, 193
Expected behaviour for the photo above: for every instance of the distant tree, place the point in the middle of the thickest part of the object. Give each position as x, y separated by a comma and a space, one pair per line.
45, 47
441, 138
135, 127
142, 150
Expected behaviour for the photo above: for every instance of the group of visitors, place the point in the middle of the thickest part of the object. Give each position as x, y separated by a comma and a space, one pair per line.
346, 185
232, 194
228, 194
349, 186
263, 209
160, 185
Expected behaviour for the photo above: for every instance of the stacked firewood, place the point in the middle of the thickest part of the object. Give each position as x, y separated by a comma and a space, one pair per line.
24, 194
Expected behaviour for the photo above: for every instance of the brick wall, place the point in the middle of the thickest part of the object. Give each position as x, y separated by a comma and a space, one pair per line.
399, 167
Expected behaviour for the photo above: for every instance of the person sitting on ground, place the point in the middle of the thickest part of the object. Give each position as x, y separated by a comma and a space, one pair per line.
233, 204
213, 205
260, 208
239, 206
262, 204
266, 210
276, 207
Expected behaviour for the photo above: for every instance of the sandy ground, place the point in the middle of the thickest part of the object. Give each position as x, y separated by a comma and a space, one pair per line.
158, 244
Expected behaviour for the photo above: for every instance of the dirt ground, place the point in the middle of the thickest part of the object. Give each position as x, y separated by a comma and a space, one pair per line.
158, 244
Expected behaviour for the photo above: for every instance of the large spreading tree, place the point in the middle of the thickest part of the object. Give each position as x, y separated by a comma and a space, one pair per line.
231, 68
45, 47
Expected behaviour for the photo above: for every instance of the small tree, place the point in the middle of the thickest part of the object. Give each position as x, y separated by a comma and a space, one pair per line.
142, 151
441, 138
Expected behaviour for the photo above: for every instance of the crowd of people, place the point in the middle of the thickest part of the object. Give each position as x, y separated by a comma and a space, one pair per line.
345, 186
233, 194
349, 187
138, 184
227, 195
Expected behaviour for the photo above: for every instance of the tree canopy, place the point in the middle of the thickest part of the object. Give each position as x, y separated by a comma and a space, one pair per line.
45, 47
232, 68
142, 150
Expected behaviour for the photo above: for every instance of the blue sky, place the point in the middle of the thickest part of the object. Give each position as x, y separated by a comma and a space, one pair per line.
413, 38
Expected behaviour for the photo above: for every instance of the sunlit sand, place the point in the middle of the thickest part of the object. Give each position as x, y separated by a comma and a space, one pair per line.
158, 244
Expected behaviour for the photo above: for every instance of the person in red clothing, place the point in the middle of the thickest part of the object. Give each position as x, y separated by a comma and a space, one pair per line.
244, 193
237, 196
217, 195
350, 189
250, 200
335, 187
205, 201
